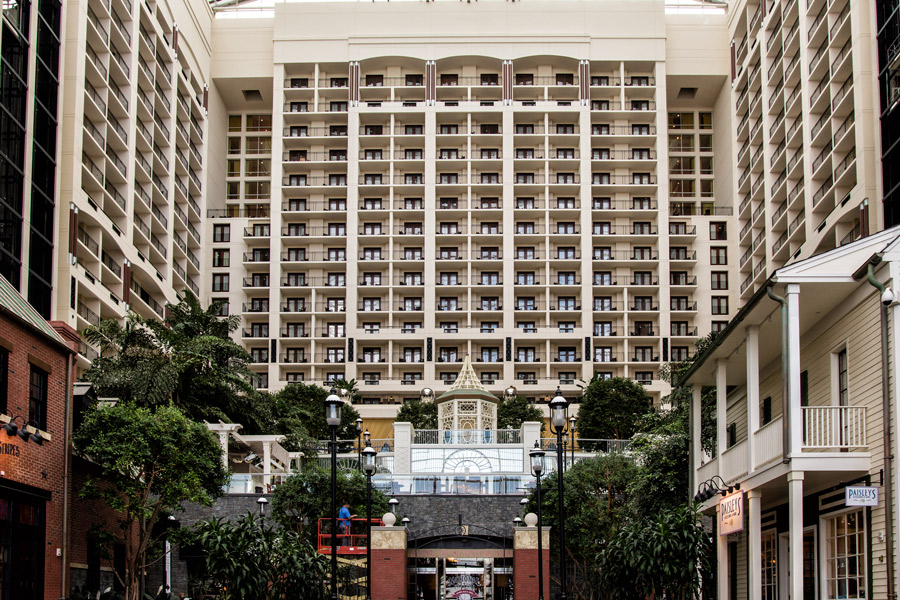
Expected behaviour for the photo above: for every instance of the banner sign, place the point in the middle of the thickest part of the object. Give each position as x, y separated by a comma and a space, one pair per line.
731, 513
861, 496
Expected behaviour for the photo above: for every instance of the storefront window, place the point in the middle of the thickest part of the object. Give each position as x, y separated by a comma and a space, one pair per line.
769, 578
846, 556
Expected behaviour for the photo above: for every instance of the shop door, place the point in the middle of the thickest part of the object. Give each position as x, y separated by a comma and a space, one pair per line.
21, 549
810, 590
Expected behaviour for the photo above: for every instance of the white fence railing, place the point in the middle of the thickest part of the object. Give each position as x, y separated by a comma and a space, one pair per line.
735, 461
768, 443
832, 427
467, 436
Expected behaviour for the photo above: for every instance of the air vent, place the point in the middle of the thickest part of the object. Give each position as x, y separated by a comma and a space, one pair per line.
685, 93
254, 95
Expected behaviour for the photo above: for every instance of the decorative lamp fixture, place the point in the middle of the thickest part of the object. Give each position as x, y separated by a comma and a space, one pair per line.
333, 408
537, 460
366, 436
558, 407
427, 393
510, 392
261, 502
368, 460
12, 429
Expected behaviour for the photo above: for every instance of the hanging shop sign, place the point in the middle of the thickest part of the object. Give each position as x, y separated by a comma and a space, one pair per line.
731, 513
861, 495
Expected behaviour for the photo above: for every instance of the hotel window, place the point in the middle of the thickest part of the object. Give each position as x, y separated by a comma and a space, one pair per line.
846, 562
602, 203
603, 278
680, 353
565, 227
719, 280
448, 253
221, 233
490, 278
600, 105
525, 355
705, 120
490, 253
718, 231
603, 354
412, 355
412, 254
371, 304
448, 304
565, 178
525, 278
258, 145
643, 303
371, 355
259, 330
334, 355
679, 328
449, 279
526, 303
567, 354
335, 305
448, 129
681, 143
413, 80
603, 328
681, 120
642, 253
234, 168
221, 258
234, 145
524, 202
565, 153
337, 254
566, 303
413, 129
719, 326
602, 253
524, 79
336, 280
682, 188
412, 279
641, 203
706, 165
720, 305
641, 228
339, 204
490, 203
600, 154
567, 326
220, 282
490, 354
641, 129
450, 79
447, 355
565, 252
706, 188
259, 122
372, 204
640, 105
412, 203
449, 326
681, 165
490, 153
413, 154
706, 144
371, 228
565, 278
525, 228
337, 229
258, 167
259, 355
718, 256
603, 303
412, 304
371, 254
37, 398
372, 155
600, 129
643, 278
234, 122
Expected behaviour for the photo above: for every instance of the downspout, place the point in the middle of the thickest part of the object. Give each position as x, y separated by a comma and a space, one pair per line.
886, 420
67, 425
785, 367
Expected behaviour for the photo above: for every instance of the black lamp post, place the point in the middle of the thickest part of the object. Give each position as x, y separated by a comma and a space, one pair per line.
537, 468
572, 437
261, 502
359, 430
558, 420
368, 465
333, 417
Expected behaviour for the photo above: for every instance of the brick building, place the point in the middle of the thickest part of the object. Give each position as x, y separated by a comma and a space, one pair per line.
36, 359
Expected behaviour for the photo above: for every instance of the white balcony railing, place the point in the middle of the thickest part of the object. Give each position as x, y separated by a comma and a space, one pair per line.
834, 427
735, 461
467, 436
768, 443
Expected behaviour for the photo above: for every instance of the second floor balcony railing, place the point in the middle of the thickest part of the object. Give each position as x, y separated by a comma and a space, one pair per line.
467, 436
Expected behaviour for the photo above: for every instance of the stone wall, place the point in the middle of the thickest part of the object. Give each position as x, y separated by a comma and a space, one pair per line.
429, 512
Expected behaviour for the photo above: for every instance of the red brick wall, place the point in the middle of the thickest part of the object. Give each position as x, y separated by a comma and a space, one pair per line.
388, 574
37, 466
525, 574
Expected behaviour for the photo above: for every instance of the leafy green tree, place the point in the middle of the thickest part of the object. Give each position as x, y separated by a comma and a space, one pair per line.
303, 405
596, 505
422, 414
303, 499
250, 559
512, 412
611, 409
661, 557
149, 462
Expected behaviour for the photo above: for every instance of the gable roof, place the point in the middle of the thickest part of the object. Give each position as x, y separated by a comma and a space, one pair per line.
13, 303
467, 384
839, 264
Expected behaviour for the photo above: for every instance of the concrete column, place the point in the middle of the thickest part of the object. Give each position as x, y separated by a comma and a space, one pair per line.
795, 541
402, 447
721, 556
525, 562
754, 501
531, 433
752, 391
696, 444
721, 410
389, 563
792, 403
223, 443
267, 466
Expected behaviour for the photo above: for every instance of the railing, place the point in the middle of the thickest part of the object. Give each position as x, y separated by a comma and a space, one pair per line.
467, 436
767, 443
735, 461
352, 535
830, 427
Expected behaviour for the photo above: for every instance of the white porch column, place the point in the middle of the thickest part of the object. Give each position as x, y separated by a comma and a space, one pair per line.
791, 404
795, 541
722, 557
223, 443
754, 501
267, 466
721, 411
752, 391
696, 442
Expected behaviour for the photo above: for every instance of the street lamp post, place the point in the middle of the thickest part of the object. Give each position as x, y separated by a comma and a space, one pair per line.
359, 430
572, 437
537, 467
368, 465
333, 417
558, 420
